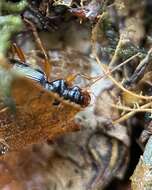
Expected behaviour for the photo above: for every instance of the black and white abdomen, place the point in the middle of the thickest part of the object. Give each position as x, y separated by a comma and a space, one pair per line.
58, 86
74, 94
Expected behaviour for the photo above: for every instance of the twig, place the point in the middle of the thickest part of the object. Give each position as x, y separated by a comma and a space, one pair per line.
115, 56
131, 109
128, 115
119, 85
95, 31
109, 72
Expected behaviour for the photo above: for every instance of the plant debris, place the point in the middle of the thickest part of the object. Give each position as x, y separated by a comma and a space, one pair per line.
82, 107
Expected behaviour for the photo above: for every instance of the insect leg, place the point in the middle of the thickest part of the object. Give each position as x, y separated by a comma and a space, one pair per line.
47, 65
18, 51
71, 78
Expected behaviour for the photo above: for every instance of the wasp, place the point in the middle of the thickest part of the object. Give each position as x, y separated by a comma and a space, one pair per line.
60, 86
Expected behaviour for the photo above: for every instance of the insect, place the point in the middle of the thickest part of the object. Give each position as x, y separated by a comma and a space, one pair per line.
42, 111
35, 118
59, 86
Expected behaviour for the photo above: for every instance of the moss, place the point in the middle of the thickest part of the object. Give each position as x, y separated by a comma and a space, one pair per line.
9, 24
14, 7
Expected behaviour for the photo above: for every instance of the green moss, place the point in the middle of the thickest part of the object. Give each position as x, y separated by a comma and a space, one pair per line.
9, 24
14, 7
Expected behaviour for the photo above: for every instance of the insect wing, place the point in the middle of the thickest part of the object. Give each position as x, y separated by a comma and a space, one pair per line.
36, 118
34, 74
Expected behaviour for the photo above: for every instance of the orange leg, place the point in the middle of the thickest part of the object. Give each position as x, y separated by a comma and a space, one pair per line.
71, 78
18, 51
47, 65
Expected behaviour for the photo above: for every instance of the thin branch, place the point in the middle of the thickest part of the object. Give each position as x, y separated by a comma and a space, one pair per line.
139, 109
119, 85
95, 32
128, 115
115, 56
109, 72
